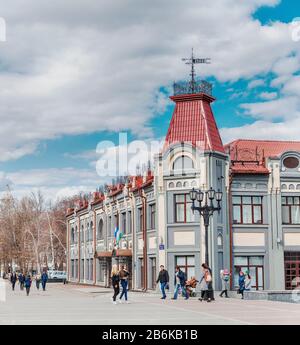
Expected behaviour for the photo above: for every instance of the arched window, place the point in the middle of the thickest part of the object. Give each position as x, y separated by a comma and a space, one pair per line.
183, 163
100, 233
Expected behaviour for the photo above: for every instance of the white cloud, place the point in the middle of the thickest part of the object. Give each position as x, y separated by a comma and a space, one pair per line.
73, 67
268, 95
256, 83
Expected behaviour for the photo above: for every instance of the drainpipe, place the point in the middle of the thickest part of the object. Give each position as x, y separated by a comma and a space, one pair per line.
144, 205
79, 248
95, 247
130, 195
230, 230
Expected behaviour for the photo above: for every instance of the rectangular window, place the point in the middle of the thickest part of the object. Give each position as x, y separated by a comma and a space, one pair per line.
129, 222
140, 219
247, 210
290, 207
183, 209
254, 265
152, 213
123, 229
186, 264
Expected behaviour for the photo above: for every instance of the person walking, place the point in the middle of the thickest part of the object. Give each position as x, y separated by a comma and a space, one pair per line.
241, 283
38, 281
179, 282
13, 279
21, 279
27, 283
163, 279
115, 279
248, 281
124, 276
44, 279
225, 278
206, 280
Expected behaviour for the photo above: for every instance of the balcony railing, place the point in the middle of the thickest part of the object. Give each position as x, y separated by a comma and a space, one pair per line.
191, 87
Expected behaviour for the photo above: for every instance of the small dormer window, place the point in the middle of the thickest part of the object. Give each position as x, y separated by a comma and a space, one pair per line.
291, 162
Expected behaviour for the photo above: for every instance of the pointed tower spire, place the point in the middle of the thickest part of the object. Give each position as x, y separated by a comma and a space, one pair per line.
193, 120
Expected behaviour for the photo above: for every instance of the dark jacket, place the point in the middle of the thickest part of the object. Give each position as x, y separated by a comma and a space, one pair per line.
21, 278
115, 279
124, 274
163, 277
44, 277
242, 282
28, 281
13, 278
182, 278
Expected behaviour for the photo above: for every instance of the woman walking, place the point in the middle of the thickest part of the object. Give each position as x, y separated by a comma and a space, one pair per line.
241, 283
115, 279
247, 281
27, 284
124, 275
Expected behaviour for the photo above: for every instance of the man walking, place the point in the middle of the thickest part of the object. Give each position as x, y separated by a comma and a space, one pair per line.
163, 279
179, 282
21, 279
27, 284
13, 279
44, 280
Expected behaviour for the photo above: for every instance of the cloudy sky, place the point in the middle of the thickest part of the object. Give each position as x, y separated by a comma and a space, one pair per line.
76, 72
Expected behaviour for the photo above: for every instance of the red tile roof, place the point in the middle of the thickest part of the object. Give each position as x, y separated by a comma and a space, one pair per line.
249, 156
193, 121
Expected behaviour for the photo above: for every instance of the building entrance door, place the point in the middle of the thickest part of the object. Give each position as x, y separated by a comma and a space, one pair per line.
292, 270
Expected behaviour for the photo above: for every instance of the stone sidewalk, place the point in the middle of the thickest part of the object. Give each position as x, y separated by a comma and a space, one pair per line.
71, 304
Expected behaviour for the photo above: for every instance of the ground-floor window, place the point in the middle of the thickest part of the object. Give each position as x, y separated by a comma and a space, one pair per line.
254, 265
141, 265
76, 269
91, 270
292, 270
186, 264
82, 269
101, 270
72, 268
153, 273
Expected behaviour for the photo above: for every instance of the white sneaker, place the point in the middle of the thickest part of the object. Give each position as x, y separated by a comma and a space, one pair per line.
120, 301
114, 302
127, 302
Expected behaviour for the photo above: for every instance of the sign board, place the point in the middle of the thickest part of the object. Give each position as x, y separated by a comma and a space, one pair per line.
161, 246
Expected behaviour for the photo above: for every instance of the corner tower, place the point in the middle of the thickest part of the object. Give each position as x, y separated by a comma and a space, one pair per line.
193, 156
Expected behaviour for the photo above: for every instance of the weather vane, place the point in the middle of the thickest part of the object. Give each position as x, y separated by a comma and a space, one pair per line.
192, 61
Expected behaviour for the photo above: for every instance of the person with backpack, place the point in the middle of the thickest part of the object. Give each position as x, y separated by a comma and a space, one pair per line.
179, 282
225, 278
206, 278
163, 279
124, 276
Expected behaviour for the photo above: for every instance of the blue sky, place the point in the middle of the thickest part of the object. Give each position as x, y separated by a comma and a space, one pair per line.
88, 82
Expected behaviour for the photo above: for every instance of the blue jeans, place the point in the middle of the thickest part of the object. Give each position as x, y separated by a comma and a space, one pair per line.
124, 284
176, 291
162, 287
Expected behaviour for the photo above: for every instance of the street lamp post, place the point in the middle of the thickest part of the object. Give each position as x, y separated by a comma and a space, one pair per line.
207, 209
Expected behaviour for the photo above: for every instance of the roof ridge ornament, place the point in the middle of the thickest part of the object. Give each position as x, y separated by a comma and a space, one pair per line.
193, 86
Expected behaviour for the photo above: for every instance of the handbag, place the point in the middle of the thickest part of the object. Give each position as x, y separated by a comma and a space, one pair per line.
167, 287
